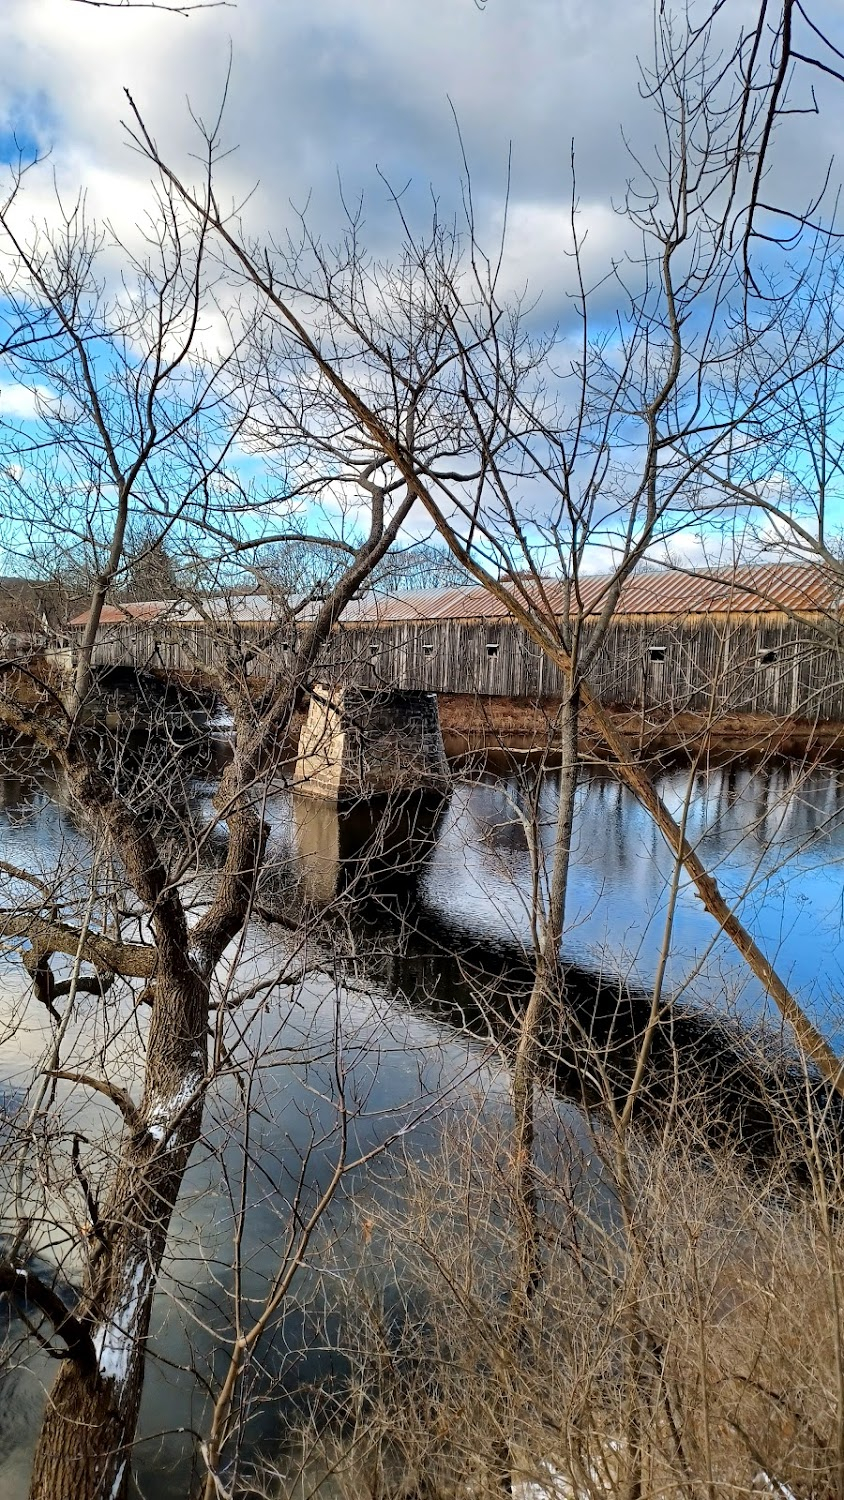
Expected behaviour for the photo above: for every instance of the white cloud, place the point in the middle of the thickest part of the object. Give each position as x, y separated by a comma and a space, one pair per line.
344, 86
539, 245
20, 402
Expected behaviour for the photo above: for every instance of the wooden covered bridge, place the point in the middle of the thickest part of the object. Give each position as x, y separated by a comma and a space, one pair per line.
762, 640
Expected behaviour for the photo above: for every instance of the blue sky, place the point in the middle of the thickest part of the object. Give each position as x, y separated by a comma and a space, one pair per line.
342, 91
348, 88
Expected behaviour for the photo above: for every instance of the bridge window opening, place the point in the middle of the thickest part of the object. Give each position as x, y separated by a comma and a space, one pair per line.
427, 648
656, 653
373, 651
768, 657
492, 648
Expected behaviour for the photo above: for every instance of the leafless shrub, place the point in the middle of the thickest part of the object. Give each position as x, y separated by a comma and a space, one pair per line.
689, 1346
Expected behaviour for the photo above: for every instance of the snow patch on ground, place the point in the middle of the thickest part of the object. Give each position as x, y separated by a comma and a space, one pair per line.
552, 1486
115, 1340
771, 1486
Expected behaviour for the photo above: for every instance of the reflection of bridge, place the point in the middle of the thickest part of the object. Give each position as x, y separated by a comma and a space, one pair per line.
363, 874
759, 640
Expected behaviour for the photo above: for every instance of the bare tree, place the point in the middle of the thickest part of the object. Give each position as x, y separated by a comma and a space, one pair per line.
524, 467
136, 415
413, 385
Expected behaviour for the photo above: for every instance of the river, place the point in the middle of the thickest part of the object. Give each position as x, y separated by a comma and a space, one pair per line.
386, 963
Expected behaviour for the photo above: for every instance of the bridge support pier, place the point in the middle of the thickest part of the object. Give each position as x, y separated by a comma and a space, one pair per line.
363, 743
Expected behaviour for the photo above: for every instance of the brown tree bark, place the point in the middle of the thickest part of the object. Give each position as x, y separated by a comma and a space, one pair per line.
84, 1445
85, 1442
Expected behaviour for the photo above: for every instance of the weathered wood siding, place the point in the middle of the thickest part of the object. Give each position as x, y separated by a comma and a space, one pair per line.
706, 664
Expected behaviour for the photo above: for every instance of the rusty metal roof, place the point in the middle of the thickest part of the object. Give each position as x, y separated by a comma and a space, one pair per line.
801, 588
124, 614
760, 589
236, 609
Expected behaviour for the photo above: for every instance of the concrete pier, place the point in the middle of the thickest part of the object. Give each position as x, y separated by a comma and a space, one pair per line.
361, 743
378, 847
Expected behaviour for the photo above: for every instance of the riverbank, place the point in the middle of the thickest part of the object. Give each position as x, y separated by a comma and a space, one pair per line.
471, 723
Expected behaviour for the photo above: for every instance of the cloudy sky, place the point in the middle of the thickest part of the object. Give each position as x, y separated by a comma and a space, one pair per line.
330, 92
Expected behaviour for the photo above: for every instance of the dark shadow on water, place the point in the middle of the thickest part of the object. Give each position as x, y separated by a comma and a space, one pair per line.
707, 1075
360, 874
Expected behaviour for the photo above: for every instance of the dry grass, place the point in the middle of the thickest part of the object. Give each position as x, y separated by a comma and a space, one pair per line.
686, 1339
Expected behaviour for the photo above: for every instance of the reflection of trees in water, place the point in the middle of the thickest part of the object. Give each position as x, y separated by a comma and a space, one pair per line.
775, 843
26, 784
365, 869
748, 814
720, 1081
766, 806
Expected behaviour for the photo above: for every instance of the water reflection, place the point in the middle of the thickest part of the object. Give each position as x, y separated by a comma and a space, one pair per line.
738, 1086
774, 838
773, 835
425, 910
369, 843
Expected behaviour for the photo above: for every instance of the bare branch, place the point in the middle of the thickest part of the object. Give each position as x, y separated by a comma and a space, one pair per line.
24, 1286
175, 9
131, 960
111, 1091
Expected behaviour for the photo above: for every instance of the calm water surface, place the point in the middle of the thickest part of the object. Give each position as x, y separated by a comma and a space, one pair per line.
774, 837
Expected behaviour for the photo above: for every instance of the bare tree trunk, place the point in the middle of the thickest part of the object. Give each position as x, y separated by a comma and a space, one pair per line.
89, 1425
85, 658
548, 985
85, 1440
547, 991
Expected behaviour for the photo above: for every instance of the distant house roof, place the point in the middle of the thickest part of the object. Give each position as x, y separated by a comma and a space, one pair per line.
800, 588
